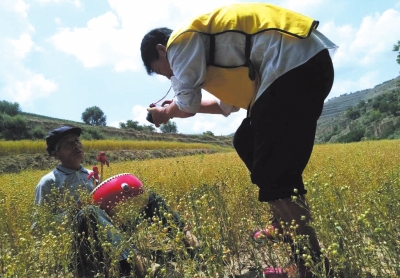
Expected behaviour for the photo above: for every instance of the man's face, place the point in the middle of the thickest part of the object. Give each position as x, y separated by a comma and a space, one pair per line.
70, 151
162, 66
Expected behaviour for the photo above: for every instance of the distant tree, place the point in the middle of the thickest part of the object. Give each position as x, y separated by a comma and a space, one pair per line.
37, 133
383, 106
387, 132
352, 136
9, 108
352, 113
169, 127
374, 115
361, 104
375, 103
394, 108
149, 128
208, 133
130, 124
396, 47
136, 126
94, 116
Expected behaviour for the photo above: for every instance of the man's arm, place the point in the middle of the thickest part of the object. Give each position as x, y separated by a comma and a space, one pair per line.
162, 115
210, 106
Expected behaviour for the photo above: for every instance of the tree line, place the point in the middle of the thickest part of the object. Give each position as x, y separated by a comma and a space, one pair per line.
13, 125
94, 116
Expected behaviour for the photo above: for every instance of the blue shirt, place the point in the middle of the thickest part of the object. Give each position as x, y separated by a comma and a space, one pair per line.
66, 180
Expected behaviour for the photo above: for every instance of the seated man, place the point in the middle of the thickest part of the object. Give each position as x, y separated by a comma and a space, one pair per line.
66, 182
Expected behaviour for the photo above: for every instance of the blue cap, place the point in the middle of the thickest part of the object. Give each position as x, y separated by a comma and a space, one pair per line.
57, 134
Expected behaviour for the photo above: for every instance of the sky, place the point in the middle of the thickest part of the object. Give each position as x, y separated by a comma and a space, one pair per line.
59, 57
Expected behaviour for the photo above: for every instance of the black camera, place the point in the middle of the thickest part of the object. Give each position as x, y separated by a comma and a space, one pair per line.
149, 116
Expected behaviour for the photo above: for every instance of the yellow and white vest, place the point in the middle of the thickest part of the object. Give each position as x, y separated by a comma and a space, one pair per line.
237, 85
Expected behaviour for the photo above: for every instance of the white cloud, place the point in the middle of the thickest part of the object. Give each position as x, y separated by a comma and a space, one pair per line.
21, 84
22, 46
116, 123
139, 114
21, 7
77, 3
341, 36
101, 43
377, 34
24, 86
204, 125
365, 44
217, 124
16, 6
113, 39
349, 85
363, 50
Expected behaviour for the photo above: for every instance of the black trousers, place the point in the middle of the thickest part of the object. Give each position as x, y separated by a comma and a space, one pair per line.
276, 142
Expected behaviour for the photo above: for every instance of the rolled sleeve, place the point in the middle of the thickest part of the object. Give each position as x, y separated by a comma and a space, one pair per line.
188, 100
188, 62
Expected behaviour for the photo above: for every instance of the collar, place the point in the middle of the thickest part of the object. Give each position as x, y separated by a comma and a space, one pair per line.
69, 171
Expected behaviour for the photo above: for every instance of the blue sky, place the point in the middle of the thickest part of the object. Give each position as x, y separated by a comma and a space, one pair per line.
59, 57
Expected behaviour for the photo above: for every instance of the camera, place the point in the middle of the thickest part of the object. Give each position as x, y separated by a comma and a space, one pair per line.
149, 117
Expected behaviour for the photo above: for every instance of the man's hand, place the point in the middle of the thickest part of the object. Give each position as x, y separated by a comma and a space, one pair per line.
159, 115
190, 240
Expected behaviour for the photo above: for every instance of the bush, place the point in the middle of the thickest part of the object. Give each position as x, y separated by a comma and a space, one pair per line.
369, 134
13, 128
387, 132
37, 133
383, 106
353, 136
375, 103
394, 108
395, 135
11, 109
352, 113
374, 116
91, 134
208, 133
136, 126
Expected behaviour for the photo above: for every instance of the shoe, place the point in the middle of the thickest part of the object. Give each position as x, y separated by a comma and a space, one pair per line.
274, 272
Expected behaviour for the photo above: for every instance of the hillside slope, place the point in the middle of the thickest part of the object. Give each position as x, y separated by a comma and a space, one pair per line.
337, 105
48, 123
364, 115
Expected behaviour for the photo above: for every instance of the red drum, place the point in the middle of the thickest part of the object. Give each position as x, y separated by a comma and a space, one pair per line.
116, 189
